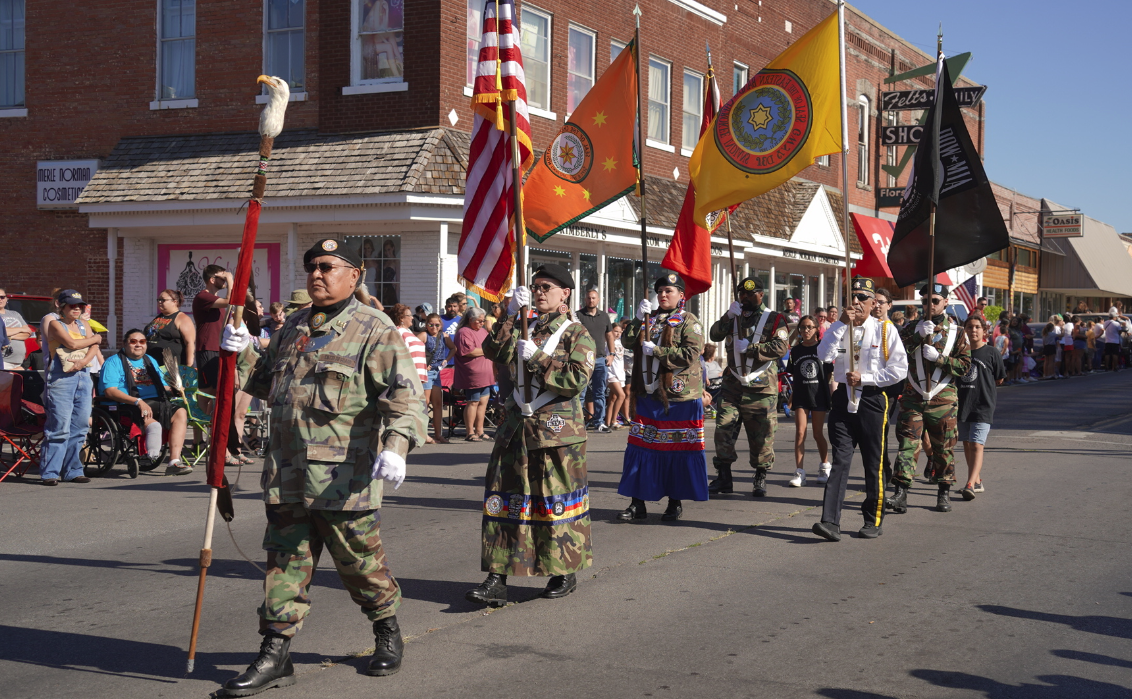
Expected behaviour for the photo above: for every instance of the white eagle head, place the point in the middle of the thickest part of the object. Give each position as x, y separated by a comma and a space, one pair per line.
271, 118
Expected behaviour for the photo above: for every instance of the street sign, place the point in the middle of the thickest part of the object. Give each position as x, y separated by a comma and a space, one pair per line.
901, 135
1061, 225
907, 100
888, 197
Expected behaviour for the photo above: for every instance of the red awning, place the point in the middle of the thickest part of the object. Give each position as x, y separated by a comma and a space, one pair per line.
875, 235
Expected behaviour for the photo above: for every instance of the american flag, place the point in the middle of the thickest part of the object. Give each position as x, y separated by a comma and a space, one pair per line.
487, 254
966, 293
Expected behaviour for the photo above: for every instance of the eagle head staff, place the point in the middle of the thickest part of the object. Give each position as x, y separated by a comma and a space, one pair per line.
271, 118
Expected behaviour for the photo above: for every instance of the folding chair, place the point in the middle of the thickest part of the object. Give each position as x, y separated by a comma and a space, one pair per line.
453, 399
21, 425
197, 454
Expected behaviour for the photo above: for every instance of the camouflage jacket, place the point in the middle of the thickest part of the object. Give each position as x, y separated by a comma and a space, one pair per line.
682, 357
338, 395
565, 373
951, 365
770, 347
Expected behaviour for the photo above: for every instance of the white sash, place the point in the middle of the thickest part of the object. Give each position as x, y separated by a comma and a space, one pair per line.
748, 379
938, 383
543, 396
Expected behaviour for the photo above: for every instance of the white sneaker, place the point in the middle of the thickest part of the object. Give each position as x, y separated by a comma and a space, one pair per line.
799, 478
823, 472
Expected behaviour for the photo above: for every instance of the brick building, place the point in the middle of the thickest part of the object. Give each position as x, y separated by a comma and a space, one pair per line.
160, 97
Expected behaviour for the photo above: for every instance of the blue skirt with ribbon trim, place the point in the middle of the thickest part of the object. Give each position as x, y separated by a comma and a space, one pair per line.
665, 455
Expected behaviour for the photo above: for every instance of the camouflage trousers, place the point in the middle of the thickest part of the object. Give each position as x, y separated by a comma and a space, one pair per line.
938, 418
536, 511
758, 412
294, 540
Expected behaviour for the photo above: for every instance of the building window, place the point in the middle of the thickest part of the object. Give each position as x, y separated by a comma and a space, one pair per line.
863, 141
579, 67
178, 49
890, 156
822, 160
535, 42
659, 97
381, 255
475, 33
11, 53
285, 40
738, 78
380, 43
615, 49
693, 108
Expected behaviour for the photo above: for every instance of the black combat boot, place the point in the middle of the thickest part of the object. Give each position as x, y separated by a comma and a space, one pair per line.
389, 647
675, 509
492, 591
271, 668
760, 483
722, 483
635, 510
560, 586
943, 500
898, 503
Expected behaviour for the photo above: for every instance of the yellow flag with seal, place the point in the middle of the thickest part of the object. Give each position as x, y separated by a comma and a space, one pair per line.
774, 127
591, 163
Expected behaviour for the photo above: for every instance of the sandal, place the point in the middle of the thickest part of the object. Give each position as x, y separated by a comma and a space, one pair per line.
472, 438
483, 436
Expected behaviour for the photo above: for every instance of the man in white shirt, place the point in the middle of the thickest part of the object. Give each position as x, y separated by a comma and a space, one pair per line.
1115, 324
861, 406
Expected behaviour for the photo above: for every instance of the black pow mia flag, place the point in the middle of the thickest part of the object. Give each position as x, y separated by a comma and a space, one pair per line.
948, 173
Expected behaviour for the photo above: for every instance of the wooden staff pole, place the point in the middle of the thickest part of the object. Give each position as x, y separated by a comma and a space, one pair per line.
644, 334
520, 242
845, 182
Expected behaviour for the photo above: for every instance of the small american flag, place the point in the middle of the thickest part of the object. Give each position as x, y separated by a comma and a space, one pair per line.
487, 244
966, 294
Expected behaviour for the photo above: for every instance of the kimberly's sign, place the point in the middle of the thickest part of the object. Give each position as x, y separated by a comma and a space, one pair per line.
58, 183
906, 100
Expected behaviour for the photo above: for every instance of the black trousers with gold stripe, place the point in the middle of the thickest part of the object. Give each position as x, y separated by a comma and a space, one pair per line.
868, 430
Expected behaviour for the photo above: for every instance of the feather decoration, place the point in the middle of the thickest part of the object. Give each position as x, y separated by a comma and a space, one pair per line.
172, 371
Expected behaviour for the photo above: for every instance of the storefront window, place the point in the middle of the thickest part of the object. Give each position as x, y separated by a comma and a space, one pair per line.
764, 278
623, 286
1024, 303
381, 255
590, 276
538, 256
812, 296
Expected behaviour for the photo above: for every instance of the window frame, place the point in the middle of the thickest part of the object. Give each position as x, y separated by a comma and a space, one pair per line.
666, 144
863, 107
357, 85
621, 46
471, 83
737, 67
684, 149
543, 111
18, 108
592, 34
182, 102
267, 31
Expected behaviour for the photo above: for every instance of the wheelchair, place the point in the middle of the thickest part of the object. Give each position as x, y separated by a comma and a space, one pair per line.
115, 437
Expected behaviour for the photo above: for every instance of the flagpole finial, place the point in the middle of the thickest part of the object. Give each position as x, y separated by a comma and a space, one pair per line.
637, 12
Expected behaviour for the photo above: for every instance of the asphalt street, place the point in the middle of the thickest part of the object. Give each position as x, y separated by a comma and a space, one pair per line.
1024, 592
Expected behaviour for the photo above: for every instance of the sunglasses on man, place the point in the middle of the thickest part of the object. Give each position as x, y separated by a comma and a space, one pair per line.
323, 267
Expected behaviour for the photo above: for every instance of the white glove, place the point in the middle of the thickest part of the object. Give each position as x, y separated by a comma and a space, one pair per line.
930, 353
519, 298
741, 345
235, 339
648, 348
389, 466
735, 310
527, 349
643, 309
925, 328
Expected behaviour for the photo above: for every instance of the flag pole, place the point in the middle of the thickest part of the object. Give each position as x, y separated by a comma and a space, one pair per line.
640, 358
730, 240
932, 204
845, 175
520, 242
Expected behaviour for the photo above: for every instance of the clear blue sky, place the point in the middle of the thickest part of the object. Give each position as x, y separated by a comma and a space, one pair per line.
1059, 92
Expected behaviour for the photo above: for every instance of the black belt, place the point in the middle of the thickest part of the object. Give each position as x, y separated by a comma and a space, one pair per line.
865, 391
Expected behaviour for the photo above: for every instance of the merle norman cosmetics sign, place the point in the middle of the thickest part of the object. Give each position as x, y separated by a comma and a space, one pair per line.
58, 183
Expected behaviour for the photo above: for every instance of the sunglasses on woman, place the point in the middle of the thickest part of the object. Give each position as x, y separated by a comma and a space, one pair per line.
543, 288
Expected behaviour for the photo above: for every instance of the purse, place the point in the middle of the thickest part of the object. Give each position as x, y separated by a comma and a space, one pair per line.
69, 357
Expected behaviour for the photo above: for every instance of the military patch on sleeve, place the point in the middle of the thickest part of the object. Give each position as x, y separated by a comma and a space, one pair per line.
589, 357
555, 423
782, 333
697, 329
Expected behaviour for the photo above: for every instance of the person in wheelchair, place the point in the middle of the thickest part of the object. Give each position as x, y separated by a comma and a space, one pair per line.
135, 380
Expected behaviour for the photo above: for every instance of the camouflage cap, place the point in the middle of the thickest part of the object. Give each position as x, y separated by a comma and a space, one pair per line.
330, 246
749, 284
668, 279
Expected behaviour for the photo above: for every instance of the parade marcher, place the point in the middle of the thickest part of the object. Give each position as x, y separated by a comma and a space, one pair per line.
346, 408
938, 353
978, 390
756, 338
810, 399
859, 415
536, 511
665, 454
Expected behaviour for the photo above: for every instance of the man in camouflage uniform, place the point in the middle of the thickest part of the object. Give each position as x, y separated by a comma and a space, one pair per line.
536, 510
346, 408
665, 453
756, 338
937, 353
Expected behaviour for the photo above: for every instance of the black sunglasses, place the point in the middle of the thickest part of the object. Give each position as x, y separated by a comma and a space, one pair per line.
861, 297
323, 267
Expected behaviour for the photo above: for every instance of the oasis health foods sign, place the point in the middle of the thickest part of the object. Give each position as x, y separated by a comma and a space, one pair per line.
58, 183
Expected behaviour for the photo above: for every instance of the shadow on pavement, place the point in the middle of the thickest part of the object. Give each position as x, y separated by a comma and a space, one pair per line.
1104, 625
1055, 687
851, 694
794, 536
1091, 658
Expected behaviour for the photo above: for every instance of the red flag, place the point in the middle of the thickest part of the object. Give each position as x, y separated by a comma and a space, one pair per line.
689, 253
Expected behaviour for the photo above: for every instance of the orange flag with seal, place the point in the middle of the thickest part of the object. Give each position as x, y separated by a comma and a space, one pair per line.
591, 163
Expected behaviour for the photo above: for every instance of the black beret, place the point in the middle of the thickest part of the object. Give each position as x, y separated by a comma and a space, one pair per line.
864, 285
749, 284
556, 272
335, 248
928, 289
669, 279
